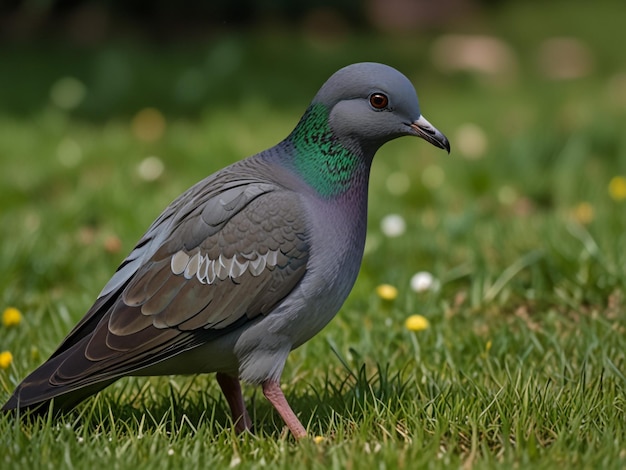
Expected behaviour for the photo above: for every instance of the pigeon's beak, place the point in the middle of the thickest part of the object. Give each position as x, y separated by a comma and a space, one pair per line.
424, 129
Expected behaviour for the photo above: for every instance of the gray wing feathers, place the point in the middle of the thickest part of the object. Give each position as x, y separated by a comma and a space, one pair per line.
220, 255
215, 198
230, 274
262, 256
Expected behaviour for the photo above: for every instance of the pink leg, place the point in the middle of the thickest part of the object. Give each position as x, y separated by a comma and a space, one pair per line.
275, 396
232, 391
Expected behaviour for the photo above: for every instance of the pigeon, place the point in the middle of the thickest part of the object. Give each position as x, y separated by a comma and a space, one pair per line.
246, 265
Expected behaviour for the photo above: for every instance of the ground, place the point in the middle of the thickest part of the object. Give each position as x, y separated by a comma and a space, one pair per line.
522, 228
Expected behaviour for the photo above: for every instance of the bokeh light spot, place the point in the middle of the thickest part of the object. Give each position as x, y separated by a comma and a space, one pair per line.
148, 125
67, 93
150, 168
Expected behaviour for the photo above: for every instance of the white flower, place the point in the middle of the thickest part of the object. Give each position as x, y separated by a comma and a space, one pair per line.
150, 168
423, 281
393, 225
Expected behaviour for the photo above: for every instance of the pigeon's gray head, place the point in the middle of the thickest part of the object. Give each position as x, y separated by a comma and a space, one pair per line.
357, 110
370, 104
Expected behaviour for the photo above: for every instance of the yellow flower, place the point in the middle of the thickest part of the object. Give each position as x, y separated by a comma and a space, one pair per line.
488, 345
6, 358
584, 213
417, 323
11, 317
34, 354
387, 292
148, 125
617, 188
318, 439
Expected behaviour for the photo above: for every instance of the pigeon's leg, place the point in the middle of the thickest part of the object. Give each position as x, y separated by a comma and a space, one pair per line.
275, 396
232, 391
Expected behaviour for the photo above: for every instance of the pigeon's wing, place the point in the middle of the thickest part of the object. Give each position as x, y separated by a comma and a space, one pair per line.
219, 256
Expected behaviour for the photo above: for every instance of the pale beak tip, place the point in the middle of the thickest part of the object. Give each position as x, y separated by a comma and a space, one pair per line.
430, 133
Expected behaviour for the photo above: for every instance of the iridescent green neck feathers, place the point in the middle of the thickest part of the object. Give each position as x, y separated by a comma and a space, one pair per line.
320, 158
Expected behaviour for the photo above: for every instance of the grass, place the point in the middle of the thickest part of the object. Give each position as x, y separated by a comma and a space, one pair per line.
523, 364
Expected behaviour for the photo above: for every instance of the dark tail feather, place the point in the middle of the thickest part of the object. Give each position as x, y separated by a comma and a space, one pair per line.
60, 403
36, 391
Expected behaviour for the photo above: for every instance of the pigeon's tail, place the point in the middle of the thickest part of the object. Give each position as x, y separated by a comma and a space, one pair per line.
28, 397
69, 376
43, 385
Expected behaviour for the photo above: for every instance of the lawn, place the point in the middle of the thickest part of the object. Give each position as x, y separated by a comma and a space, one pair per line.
523, 228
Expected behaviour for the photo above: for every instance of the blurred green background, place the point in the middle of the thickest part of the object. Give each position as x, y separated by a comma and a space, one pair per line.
102, 100
108, 110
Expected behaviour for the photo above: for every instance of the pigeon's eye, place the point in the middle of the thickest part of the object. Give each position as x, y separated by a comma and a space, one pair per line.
379, 100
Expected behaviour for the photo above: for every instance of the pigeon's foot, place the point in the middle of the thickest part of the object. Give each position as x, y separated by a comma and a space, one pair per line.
275, 396
232, 391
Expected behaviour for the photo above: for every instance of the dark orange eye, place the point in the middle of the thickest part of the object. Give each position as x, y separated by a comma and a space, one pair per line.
379, 101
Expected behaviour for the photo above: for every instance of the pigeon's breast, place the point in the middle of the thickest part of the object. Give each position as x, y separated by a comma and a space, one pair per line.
337, 239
